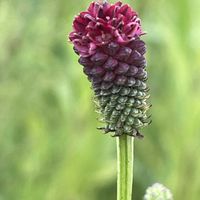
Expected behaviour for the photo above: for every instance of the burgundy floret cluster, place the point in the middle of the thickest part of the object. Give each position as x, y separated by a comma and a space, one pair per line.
107, 39
102, 24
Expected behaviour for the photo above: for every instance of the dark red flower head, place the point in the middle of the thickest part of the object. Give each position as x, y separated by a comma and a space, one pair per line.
103, 23
107, 39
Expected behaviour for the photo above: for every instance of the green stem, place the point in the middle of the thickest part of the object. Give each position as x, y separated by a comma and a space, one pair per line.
125, 157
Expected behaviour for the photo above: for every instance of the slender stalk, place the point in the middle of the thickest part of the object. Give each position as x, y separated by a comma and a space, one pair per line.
125, 158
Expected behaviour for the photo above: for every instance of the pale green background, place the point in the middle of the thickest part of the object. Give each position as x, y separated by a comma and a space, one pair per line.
49, 146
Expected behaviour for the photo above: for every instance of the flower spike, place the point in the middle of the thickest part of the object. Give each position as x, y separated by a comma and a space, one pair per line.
107, 38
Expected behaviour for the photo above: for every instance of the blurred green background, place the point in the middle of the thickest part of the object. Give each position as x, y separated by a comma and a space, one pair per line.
49, 146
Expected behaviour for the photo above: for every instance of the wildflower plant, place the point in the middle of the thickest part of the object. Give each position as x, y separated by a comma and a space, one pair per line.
107, 38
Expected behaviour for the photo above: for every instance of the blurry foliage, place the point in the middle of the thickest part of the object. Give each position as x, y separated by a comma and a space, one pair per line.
49, 146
